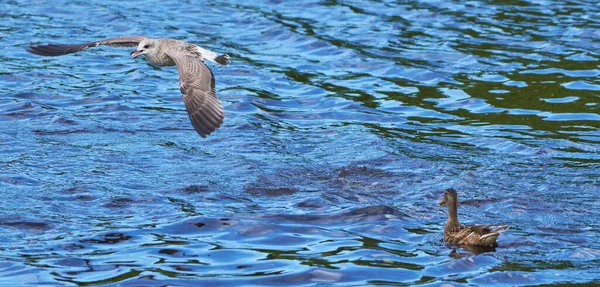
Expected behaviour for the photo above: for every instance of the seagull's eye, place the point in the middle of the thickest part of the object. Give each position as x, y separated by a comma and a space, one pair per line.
146, 46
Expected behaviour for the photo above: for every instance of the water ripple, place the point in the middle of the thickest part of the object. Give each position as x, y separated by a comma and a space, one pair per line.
345, 121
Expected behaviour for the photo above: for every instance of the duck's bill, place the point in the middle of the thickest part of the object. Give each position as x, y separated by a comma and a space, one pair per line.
135, 54
442, 202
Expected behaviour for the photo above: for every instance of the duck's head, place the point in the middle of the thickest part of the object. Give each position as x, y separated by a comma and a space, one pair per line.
450, 198
145, 47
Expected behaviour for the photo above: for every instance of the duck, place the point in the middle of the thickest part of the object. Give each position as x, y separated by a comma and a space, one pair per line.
473, 235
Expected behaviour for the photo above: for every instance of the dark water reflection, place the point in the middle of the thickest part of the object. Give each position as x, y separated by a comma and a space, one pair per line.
345, 121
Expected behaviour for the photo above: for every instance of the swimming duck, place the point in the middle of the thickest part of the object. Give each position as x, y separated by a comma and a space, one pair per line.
476, 235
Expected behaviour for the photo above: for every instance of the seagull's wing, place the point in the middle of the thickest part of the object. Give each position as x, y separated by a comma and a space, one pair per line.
63, 49
197, 84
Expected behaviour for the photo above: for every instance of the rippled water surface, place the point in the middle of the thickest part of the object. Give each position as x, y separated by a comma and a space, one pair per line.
345, 122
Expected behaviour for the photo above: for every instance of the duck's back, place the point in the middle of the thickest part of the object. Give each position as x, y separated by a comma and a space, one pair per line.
482, 235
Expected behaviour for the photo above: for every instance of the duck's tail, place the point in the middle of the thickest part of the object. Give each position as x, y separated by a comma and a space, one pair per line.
499, 228
487, 239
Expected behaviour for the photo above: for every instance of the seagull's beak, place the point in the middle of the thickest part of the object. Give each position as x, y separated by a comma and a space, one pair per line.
135, 54
442, 202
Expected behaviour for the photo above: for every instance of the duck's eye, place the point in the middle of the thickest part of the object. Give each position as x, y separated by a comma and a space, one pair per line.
146, 46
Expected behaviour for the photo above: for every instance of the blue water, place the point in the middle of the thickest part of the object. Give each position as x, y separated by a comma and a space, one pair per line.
345, 122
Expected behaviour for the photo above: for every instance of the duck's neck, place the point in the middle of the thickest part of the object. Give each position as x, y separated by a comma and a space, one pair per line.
452, 222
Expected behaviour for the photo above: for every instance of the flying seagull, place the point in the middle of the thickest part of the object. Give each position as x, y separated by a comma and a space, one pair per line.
196, 80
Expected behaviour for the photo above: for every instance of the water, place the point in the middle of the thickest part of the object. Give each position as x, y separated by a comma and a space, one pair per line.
345, 122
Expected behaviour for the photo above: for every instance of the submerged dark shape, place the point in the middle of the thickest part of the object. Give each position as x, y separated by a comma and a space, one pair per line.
196, 80
473, 235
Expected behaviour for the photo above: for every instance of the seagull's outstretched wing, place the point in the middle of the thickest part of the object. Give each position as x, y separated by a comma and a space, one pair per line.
63, 49
197, 84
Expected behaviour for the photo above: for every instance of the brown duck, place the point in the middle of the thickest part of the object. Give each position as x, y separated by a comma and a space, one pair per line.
476, 235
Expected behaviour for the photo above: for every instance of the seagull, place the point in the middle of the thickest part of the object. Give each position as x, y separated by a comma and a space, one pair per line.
196, 80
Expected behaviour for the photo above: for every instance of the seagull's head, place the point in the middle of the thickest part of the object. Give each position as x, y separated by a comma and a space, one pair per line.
145, 47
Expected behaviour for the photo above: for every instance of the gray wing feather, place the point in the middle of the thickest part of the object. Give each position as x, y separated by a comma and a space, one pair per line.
63, 49
197, 84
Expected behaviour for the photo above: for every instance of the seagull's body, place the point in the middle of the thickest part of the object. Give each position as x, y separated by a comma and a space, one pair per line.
196, 80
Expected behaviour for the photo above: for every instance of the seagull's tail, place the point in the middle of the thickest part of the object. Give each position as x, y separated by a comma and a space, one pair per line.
212, 56
223, 59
